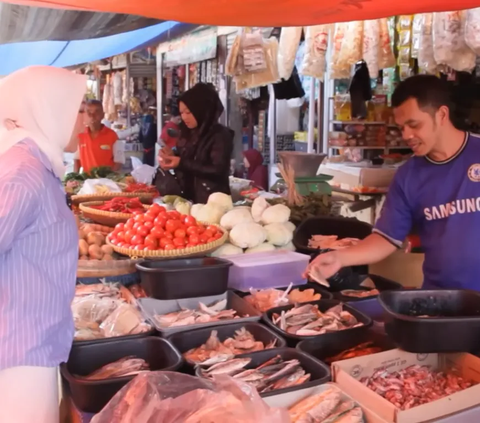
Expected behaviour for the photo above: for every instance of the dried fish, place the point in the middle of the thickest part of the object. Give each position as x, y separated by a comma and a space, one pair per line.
204, 314
126, 366
360, 350
415, 385
214, 351
308, 320
271, 375
360, 293
316, 407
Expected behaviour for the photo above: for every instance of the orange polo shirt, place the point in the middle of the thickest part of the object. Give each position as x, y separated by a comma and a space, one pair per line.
98, 151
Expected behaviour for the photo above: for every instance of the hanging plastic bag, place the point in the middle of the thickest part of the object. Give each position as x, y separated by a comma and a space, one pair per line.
117, 88
472, 30
416, 32
426, 57
98, 186
170, 397
371, 39
351, 49
287, 50
336, 70
450, 48
316, 43
386, 58
143, 174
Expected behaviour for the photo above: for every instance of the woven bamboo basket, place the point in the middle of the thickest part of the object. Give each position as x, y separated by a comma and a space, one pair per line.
200, 250
103, 269
103, 217
144, 197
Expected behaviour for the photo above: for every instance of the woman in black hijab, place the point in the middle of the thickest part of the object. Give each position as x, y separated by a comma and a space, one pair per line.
204, 149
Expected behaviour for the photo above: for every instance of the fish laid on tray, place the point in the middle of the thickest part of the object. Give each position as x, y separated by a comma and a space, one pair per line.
106, 310
327, 407
204, 314
266, 299
360, 293
360, 350
127, 366
273, 374
331, 242
214, 351
415, 385
308, 320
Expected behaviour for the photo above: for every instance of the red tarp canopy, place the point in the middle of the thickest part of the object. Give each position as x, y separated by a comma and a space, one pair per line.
259, 12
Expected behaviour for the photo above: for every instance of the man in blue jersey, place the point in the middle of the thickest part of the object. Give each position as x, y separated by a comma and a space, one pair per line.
437, 191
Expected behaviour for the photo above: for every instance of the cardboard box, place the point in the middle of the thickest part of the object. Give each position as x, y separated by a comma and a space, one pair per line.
290, 398
347, 375
355, 175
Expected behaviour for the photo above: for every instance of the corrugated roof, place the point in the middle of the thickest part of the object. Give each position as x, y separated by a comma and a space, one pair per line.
24, 23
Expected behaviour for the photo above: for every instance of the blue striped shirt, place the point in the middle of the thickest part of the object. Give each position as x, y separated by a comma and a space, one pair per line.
38, 261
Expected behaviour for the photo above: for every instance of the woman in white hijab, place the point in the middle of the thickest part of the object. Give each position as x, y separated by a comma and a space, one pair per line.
40, 118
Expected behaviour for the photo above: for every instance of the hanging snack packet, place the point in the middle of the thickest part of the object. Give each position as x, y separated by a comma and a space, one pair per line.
472, 30
416, 31
371, 38
316, 43
351, 51
426, 57
386, 58
287, 50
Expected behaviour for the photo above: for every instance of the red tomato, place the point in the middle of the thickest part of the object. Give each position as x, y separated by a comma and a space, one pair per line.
129, 224
172, 225
180, 233
179, 242
151, 241
129, 235
137, 225
164, 242
120, 244
138, 213
149, 225
212, 239
168, 235
138, 240
218, 235
147, 248
128, 246
139, 247
194, 239
120, 236
201, 229
139, 218
212, 228
190, 221
189, 245
143, 231
208, 233
155, 209
160, 220
192, 230
173, 214
150, 217
120, 227
157, 232
170, 247
204, 239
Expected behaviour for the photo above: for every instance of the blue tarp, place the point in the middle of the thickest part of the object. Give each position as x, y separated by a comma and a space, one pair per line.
70, 53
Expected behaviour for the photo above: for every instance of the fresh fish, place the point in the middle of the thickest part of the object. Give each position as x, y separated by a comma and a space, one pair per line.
296, 378
316, 407
339, 411
126, 366
353, 416
290, 366
227, 367
310, 332
216, 359
251, 375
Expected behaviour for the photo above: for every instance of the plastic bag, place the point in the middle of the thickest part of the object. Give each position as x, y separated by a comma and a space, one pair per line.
351, 49
338, 36
316, 43
416, 32
426, 57
450, 48
98, 186
386, 58
287, 50
117, 88
472, 30
143, 174
371, 39
169, 397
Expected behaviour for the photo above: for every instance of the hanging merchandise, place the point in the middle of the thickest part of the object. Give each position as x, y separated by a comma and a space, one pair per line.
472, 30
287, 49
117, 88
386, 58
316, 43
426, 57
338, 35
107, 93
253, 53
371, 39
360, 91
450, 48
416, 31
404, 44
351, 50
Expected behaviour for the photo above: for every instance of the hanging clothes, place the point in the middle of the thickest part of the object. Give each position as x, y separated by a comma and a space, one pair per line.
360, 91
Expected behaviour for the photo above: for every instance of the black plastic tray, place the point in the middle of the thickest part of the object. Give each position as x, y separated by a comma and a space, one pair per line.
92, 396
184, 278
151, 332
381, 283
323, 305
343, 227
185, 341
370, 307
457, 330
323, 349
320, 372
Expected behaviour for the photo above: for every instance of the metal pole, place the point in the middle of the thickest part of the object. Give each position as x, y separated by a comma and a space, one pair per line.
311, 116
187, 77
320, 111
328, 91
273, 140
129, 111
159, 93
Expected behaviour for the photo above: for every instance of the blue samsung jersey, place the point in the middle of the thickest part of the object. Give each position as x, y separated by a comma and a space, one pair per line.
442, 200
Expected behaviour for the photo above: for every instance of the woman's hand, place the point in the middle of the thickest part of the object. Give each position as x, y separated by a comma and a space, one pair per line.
169, 162
166, 150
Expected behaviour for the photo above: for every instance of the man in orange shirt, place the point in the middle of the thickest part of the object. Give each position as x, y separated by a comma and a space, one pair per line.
96, 146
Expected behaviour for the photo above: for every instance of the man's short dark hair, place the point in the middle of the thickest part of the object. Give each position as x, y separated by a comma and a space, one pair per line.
96, 103
430, 92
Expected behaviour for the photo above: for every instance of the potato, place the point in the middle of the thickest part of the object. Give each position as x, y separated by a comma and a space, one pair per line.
81, 234
95, 252
83, 247
87, 228
107, 249
96, 238
107, 257
83, 258
77, 220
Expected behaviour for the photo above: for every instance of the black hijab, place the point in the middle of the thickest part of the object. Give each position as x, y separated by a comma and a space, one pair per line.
205, 105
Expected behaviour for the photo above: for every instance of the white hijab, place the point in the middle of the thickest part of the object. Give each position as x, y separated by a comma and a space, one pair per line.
41, 103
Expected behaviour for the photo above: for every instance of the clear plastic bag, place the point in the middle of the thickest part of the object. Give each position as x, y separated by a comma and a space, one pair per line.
371, 39
287, 50
338, 36
472, 30
168, 397
450, 48
426, 57
416, 32
96, 186
351, 49
386, 58
316, 43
